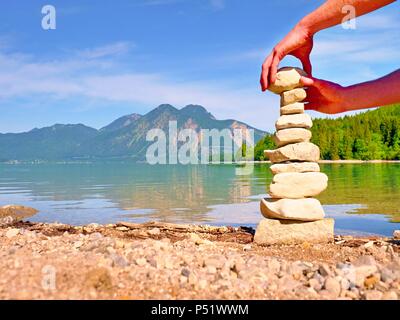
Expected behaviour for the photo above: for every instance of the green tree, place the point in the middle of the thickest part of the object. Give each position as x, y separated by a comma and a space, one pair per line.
370, 135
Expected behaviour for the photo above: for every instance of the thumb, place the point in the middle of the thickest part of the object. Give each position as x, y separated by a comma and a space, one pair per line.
307, 82
311, 82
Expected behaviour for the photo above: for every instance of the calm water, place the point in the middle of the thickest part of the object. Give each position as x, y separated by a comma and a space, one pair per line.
363, 198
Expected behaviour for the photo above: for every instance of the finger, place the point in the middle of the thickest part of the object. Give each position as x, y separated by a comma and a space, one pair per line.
265, 72
306, 62
274, 68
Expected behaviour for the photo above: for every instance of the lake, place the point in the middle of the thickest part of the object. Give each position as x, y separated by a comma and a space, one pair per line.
363, 198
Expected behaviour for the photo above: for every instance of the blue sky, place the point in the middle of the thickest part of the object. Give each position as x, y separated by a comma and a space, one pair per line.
111, 58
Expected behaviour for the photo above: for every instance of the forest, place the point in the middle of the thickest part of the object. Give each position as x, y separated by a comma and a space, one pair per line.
371, 135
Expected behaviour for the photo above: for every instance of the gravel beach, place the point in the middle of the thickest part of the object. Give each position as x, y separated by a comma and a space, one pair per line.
165, 261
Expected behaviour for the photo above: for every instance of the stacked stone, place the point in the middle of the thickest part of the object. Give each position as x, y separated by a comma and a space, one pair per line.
291, 214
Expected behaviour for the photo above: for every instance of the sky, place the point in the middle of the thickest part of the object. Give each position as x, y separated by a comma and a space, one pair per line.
106, 59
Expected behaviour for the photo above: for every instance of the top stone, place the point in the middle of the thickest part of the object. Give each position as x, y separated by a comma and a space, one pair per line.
287, 78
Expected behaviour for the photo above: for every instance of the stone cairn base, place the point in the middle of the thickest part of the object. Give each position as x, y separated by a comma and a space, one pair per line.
291, 215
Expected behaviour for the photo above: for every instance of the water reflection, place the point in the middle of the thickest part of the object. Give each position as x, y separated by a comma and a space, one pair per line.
109, 192
375, 187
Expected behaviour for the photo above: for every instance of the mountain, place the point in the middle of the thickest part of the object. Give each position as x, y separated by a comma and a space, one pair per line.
371, 135
124, 137
130, 140
55, 142
121, 122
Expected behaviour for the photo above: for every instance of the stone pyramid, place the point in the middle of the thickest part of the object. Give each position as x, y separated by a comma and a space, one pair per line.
291, 214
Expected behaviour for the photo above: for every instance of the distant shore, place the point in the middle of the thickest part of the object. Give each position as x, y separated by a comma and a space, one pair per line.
17, 162
332, 161
359, 161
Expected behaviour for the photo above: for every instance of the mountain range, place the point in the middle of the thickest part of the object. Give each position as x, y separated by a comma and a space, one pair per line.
122, 138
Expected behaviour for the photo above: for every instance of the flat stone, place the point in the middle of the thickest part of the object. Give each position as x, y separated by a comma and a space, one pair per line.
292, 135
303, 151
295, 167
294, 185
287, 78
292, 209
396, 234
293, 96
301, 120
294, 108
17, 212
273, 231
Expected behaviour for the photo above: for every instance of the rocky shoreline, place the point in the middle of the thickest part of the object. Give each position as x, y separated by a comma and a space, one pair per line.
167, 261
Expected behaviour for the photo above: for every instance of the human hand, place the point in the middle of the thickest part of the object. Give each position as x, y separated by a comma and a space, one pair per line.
324, 96
298, 43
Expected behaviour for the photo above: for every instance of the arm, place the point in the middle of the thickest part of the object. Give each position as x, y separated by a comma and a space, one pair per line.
299, 41
331, 13
328, 97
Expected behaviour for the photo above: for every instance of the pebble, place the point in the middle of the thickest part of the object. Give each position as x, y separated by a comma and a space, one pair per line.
345, 284
365, 260
287, 283
333, 286
247, 247
185, 272
382, 286
78, 244
319, 278
390, 295
96, 236
351, 294
315, 284
371, 281
11, 233
211, 269
122, 229
202, 284
387, 275
119, 261
369, 244
99, 279
141, 262
197, 240
182, 269
119, 244
373, 295
361, 273
217, 262
154, 231
324, 270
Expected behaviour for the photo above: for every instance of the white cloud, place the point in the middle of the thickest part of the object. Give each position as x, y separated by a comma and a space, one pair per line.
114, 49
218, 4
360, 48
379, 21
22, 76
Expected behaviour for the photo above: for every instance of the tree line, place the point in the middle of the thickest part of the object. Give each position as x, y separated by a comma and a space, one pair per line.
372, 135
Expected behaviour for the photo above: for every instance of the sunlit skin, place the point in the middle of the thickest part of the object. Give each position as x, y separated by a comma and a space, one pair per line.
325, 96
331, 98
